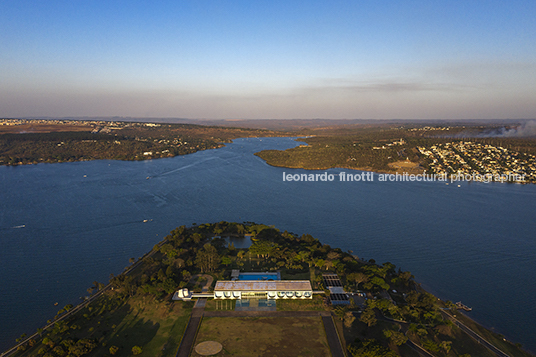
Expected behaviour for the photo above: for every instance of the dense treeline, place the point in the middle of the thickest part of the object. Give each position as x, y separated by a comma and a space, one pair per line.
355, 152
133, 141
68, 146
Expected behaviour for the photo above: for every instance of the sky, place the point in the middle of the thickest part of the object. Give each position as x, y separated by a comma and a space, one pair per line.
275, 59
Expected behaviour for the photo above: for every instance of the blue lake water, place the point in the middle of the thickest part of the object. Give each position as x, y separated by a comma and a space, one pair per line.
63, 226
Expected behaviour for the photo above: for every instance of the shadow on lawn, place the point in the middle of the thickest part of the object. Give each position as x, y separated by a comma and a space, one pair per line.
137, 332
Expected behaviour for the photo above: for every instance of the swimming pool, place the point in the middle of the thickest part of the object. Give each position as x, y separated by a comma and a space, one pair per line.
259, 276
252, 304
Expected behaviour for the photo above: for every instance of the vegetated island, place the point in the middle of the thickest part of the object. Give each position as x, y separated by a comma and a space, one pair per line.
414, 149
35, 141
372, 309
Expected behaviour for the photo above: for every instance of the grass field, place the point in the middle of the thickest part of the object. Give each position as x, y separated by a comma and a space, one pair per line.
265, 336
158, 328
155, 326
314, 304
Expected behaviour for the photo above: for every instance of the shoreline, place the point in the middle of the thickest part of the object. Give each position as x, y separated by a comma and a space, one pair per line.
478, 331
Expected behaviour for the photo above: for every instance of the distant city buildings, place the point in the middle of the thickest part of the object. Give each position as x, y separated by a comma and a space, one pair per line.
469, 158
396, 142
100, 125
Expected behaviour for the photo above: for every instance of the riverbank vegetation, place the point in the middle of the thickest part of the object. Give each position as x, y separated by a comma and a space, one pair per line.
389, 314
39, 142
392, 147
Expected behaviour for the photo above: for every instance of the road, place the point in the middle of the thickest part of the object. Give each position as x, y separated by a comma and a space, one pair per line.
207, 284
474, 335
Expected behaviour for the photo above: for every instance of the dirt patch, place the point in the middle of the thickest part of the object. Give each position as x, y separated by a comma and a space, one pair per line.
406, 166
403, 165
265, 336
208, 348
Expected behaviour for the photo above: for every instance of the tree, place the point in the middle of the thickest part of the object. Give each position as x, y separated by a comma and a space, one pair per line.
169, 285
113, 350
179, 263
319, 263
168, 250
82, 347
446, 346
328, 264
186, 275
48, 342
357, 278
263, 248
169, 272
207, 259
349, 319
406, 277
379, 282
197, 238
136, 350
370, 348
333, 255
231, 247
369, 317
430, 345
99, 286
398, 338
59, 351
340, 311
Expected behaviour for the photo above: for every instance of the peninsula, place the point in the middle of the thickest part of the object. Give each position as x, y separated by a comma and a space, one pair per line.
284, 294
414, 148
25, 141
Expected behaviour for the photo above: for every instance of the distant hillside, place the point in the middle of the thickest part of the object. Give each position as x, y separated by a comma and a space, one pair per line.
37, 141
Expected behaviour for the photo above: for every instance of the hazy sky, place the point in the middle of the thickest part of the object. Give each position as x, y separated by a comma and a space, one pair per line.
268, 59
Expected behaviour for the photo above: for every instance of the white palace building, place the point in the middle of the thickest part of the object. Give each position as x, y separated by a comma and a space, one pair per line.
253, 286
275, 289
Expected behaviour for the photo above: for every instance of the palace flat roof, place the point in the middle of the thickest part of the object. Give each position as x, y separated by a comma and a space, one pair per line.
256, 285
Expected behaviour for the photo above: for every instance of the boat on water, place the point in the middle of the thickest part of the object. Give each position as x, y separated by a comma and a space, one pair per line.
461, 306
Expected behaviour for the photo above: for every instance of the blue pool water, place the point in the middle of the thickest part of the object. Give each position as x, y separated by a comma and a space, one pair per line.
259, 276
262, 303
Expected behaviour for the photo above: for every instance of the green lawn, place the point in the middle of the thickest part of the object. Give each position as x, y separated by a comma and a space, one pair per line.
156, 326
315, 304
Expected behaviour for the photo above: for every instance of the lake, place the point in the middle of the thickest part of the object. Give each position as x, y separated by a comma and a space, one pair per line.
63, 226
